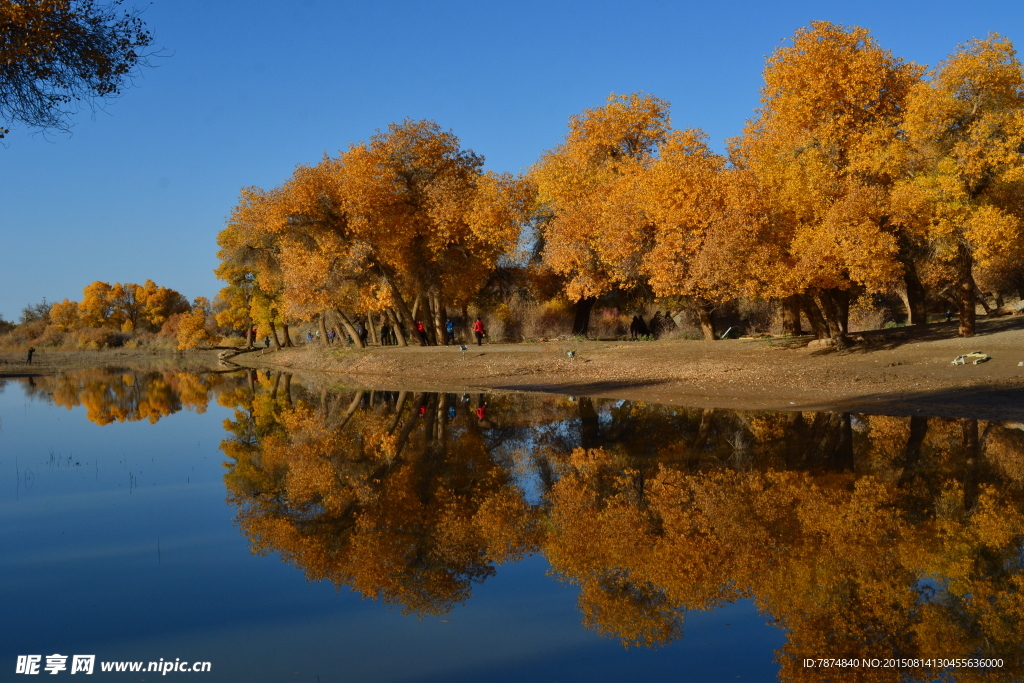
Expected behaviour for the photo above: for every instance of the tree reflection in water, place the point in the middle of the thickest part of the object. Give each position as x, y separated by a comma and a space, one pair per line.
860, 536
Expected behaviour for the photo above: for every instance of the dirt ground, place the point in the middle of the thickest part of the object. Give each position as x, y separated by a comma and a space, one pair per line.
899, 371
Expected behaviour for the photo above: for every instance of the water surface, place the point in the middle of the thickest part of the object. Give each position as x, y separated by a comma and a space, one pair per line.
285, 532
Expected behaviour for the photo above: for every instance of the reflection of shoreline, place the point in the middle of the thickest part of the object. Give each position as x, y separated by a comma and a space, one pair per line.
829, 521
125, 395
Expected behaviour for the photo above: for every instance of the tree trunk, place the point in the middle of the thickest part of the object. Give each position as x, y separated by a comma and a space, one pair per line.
814, 316
439, 315
912, 450
464, 327
287, 337
916, 297
581, 321
838, 302
981, 298
590, 423
414, 319
324, 341
428, 319
273, 335
401, 310
705, 312
373, 327
352, 407
965, 290
842, 299
350, 329
396, 327
791, 316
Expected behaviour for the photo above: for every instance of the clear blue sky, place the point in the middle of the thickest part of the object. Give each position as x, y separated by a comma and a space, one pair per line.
250, 88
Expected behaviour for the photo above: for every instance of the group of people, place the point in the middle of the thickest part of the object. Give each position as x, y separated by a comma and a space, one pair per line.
388, 336
659, 325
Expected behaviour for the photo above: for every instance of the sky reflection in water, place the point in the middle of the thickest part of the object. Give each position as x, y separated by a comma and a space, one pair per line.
514, 537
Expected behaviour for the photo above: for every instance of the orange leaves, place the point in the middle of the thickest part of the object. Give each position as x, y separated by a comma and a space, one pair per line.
128, 306
64, 315
821, 147
965, 127
597, 231
192, 329
407, 212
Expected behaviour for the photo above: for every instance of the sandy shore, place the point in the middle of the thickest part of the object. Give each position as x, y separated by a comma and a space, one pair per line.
900, 371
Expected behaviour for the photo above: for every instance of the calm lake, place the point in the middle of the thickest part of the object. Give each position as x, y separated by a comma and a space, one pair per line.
284, 532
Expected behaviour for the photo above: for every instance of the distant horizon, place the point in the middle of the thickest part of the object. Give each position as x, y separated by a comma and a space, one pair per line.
240, 97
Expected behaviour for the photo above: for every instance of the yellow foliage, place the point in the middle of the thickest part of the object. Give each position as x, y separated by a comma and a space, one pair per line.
192, 329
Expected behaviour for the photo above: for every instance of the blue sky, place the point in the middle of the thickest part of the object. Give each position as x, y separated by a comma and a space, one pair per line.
247, 89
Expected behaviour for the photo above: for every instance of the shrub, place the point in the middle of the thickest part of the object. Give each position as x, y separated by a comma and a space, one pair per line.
53, 335
95, 338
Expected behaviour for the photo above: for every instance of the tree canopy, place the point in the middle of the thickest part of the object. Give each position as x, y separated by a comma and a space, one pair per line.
56, 53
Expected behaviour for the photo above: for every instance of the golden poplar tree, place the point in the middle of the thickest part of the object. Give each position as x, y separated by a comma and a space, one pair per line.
594, 230
965, 180
831, 106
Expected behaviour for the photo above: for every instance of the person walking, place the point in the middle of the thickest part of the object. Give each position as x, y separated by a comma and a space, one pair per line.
31, 352
449, 332
478, 330
385, 335
421, 329
363, 333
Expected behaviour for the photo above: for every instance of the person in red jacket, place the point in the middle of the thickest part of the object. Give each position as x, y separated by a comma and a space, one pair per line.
478, 330
422, 330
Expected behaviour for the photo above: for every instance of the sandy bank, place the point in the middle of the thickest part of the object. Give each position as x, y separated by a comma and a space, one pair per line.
901, 371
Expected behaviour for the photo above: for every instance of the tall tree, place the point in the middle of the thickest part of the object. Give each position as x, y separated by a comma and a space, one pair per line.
965, 133
709, 236
595, 233
831, 105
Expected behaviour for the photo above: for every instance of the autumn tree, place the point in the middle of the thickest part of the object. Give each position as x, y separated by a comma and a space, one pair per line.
593, 230
192, 326
56, 53
250, 264
405, 223
711, 239
129, 306
832, 104
965, 131
64, 315
434, 221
